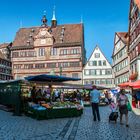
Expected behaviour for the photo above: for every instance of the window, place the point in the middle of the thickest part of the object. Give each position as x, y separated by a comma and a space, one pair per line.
109, 81
97, 55
65, 51
100, 63
86, 72
90, 63
97, 82
75, 51
41, 51
51, 65
28, 66
53, 51
104, 62
74, 75
103, 72
38, 66
94, 63
103, 81
74, 64
98, 72
92, 72
17, 66
64, 64
15, 54
108, 72
31, 53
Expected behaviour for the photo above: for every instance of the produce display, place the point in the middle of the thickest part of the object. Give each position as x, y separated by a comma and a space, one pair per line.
54, 105
87, 103
53, 110
64, 105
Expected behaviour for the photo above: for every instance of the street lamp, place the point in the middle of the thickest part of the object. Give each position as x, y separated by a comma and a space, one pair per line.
60, 70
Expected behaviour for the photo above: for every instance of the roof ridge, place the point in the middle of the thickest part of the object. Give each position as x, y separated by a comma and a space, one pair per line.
50, 26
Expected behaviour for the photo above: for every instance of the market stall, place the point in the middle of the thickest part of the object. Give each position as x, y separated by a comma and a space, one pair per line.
52, 109
11, 94
134, 97
17, 94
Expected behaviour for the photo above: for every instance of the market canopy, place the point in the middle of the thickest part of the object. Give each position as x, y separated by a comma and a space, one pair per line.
135, 84
90, 86
126, 84
50, 78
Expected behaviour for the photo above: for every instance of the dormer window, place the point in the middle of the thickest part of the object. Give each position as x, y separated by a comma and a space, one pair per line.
97, 55
28, 43
33, 30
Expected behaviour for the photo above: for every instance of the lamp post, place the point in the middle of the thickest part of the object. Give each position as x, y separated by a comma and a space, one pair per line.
60, 70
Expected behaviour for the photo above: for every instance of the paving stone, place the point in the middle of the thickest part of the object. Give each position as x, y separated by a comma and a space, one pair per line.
81, 128
104, 130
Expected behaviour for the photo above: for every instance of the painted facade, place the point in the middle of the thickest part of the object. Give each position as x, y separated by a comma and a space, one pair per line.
55, 49
120, 58
134, 40
98, 70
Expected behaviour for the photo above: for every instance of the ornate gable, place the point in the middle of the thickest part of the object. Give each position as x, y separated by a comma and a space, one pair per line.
43, 38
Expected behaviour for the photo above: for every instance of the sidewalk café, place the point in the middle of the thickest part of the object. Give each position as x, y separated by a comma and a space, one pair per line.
38, 97
135, 98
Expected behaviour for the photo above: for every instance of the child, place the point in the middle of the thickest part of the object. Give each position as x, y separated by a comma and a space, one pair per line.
114, 114
113, 106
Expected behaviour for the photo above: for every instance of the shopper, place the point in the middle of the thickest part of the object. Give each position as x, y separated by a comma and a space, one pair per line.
95, 99
78, 96
33, 94
56, 94
122, 103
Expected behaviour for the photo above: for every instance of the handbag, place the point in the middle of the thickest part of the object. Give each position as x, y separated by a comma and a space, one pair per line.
129, 107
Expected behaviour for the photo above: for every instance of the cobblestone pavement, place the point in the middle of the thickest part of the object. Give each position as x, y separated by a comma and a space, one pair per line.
81, 128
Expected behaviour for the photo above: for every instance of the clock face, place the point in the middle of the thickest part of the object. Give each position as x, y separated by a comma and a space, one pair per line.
43, 32
43, 41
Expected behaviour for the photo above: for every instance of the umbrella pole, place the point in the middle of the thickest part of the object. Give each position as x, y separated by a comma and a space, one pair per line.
51, 92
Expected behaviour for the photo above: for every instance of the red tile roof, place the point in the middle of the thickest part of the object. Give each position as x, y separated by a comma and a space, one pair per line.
73, 33
123, 36
137, 3
2, 55
4, 45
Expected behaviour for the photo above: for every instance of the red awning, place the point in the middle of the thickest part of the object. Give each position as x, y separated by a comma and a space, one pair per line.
126, 84
135, 84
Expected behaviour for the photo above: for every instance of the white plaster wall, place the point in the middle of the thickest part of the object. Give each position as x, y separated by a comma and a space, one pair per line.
102, 58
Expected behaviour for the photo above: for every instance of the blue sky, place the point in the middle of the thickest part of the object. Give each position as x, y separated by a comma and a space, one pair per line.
101, 18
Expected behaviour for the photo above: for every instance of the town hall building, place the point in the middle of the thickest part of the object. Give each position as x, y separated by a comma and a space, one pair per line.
55, 49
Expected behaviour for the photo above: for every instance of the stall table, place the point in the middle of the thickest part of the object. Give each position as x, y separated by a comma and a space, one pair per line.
53, 113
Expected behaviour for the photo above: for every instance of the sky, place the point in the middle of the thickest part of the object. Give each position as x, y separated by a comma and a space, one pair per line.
101, 19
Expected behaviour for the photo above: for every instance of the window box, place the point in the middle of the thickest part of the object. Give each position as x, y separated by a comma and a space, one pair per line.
133, 76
